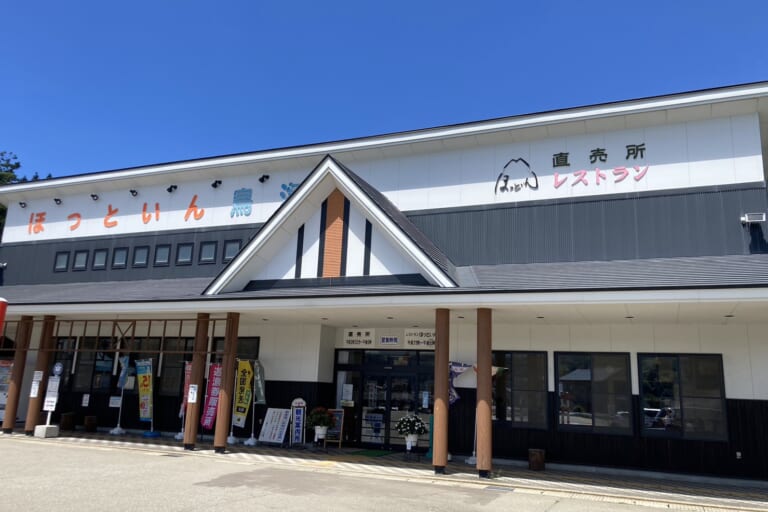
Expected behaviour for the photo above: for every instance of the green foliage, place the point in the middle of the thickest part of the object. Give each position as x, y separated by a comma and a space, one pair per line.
320, 417
9, 164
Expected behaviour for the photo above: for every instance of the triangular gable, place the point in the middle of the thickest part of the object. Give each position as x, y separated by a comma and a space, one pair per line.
274, 241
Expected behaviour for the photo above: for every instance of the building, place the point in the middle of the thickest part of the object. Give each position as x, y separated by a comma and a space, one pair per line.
604, 268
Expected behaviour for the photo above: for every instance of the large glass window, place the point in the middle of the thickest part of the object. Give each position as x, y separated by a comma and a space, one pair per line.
520, 388
94, 365
594, 391
175, 353
683, 395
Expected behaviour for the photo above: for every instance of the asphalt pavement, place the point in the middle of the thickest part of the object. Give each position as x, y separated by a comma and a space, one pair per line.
621, 488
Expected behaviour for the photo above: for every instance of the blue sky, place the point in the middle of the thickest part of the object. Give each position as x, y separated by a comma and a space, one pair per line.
92, 85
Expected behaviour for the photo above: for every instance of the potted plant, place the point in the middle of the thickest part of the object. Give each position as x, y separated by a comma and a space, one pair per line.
410, 426
321, 419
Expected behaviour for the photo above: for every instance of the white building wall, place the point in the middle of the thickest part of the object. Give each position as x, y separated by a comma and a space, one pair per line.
693, 154
744, 348
386, 259
283, 264
289, 352
311, 253
355, 243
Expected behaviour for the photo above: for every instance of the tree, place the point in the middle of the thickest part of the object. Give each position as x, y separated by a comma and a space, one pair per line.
9, 164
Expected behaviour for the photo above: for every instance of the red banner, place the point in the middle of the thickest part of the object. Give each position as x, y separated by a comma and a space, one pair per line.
212, 396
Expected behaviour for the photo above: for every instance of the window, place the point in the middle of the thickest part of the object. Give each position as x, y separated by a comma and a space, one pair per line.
207, 253
520, 389
81, 260
162, 255
120, 257
184, 254
683, 395
140, 256
594, 391
100, 259
231, 248
61, 263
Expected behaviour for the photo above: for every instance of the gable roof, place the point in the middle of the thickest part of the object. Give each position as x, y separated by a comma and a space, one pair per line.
328, 175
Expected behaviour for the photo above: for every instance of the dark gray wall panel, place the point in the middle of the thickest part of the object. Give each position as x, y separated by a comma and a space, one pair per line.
32, 263
701, 222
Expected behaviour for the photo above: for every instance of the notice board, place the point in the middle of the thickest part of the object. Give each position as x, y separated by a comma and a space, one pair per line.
334, 434
275, 425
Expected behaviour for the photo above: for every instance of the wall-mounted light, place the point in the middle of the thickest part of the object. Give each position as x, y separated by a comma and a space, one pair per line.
22, 204
171, 189
133, 192
263, 178
752, 218
95, 197
216, 184
57, 200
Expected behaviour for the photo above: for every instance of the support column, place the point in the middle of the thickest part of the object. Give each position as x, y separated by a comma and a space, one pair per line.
43, 363
196, 378
484, 393
224, 408
23, 335
440, 424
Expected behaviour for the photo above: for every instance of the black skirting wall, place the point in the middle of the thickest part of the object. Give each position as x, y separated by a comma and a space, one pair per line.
166, 409
746, 434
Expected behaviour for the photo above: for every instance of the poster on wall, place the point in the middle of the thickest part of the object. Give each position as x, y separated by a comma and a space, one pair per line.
357, 337
420, 338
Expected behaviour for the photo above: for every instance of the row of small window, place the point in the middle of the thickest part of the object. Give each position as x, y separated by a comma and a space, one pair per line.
207, 254
680, 395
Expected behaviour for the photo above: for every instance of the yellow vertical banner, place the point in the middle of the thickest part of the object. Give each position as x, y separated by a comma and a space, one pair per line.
144, 375
242, 393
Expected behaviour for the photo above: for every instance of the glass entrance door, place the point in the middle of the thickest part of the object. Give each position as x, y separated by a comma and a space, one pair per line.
386, 399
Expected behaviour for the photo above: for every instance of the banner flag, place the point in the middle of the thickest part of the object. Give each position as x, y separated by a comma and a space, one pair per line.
242, 393
212, 396
124, 364
259, 395
456, 369
144, 374
187, 377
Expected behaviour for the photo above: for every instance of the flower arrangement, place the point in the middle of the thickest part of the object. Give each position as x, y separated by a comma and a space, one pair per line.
320, 417
410, 424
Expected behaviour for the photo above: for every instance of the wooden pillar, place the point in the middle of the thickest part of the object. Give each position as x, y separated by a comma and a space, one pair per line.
23, 335
440, 423
224, 408
43, 362
484, 420
196, 378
